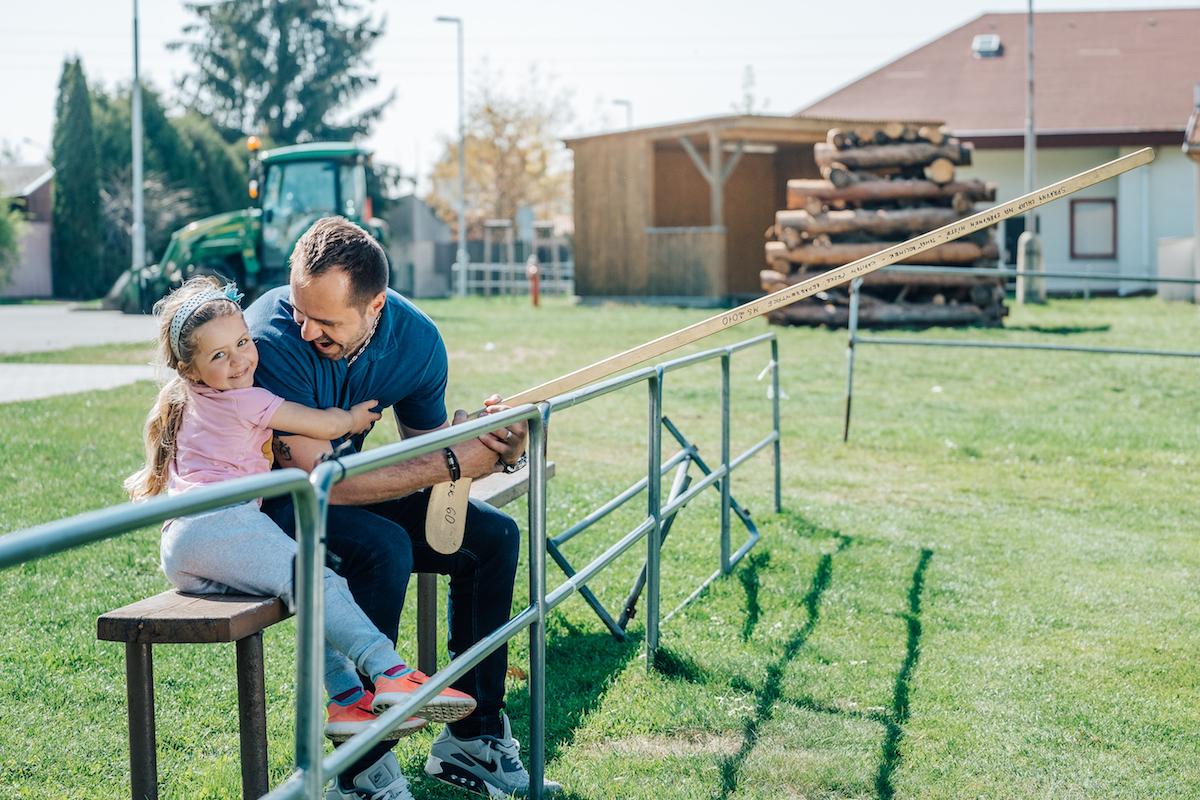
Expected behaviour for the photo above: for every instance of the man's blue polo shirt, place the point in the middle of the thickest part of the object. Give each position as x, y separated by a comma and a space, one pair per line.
404, 365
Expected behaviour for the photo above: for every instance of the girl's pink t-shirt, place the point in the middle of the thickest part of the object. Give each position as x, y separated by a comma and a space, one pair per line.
223, 435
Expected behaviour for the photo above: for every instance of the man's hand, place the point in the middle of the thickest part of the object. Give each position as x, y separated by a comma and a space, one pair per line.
474, 458
362, 416
509, 442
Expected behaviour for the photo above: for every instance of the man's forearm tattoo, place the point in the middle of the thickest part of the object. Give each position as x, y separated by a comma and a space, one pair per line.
281, 450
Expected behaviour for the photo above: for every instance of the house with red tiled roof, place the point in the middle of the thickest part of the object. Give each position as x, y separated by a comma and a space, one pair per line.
1105, 83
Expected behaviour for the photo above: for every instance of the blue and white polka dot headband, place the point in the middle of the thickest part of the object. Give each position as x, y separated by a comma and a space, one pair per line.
227, 292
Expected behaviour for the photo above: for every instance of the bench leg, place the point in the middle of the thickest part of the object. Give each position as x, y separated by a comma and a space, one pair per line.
139, 693
427, 597
252, 716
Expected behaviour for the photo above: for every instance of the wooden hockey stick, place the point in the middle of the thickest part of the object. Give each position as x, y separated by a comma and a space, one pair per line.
447, 503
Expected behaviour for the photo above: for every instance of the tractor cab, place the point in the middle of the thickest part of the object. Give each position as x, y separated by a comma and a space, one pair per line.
298, 185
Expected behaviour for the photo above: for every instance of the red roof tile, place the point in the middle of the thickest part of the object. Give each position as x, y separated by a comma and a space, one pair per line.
1093, 71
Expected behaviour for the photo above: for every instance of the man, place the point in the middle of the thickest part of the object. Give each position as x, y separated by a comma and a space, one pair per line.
337, 336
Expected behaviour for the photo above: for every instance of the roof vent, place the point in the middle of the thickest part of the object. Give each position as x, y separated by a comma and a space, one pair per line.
987, 45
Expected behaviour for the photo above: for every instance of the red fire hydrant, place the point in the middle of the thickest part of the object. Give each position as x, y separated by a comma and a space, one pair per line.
535, 281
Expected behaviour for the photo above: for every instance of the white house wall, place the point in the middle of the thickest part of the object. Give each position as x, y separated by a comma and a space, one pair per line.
1154, 202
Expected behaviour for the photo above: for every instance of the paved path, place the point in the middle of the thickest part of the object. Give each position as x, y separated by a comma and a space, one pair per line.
36, 328
34, 381
58, 326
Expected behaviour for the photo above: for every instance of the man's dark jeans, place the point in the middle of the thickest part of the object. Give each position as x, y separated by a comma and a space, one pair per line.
380, 546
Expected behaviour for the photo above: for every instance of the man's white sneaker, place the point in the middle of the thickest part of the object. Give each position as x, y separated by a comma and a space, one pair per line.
486, 765
380, 781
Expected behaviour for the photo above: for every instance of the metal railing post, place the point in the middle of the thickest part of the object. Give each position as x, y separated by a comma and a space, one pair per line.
537, 597
855, 287
310, 629
725, 463
653, 505
775, 421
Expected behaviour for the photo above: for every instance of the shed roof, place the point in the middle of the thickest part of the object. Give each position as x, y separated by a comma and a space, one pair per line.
22, 180
1094, 72
763, 128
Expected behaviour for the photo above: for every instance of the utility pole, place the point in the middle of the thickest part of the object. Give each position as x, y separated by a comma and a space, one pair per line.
1191, 147
628, 111
462, 258
138, 245
1029, 250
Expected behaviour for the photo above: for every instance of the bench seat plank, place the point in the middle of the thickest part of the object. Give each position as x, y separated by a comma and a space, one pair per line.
174, 617
500, 489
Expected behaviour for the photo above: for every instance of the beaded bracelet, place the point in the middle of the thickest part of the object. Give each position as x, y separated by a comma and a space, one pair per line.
452, 464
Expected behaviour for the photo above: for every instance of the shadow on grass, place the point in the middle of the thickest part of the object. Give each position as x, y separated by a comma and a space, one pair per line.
1060, 330
893, 719
890, 758
748, 576
580, 666
677, 666
766, 697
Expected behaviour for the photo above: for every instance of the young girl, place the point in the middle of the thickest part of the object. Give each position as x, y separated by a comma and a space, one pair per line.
210, 424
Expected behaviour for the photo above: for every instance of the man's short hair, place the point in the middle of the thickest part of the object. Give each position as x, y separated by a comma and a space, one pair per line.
337, 243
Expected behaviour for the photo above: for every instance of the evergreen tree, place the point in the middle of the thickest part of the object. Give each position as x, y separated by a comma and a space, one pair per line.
284, 70
218, 170
75, 245
189, 173
11, 226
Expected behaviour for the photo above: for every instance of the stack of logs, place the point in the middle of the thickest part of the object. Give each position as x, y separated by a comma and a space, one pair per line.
881, 186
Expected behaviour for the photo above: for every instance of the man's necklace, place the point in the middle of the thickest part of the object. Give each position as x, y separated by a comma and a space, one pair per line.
363, 348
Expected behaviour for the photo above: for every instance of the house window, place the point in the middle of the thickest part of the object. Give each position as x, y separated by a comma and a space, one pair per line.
1094, 228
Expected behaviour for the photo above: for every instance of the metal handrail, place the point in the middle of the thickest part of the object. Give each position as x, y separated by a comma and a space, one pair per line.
311, 498
855, 339
94, 526
1001, 272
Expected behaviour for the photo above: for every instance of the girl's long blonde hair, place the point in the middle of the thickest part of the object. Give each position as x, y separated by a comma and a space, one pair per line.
162, 423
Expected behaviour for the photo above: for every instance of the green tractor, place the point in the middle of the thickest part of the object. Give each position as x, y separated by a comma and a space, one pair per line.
293, 187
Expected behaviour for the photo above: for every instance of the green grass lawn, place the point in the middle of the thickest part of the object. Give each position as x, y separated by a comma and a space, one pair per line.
990, 591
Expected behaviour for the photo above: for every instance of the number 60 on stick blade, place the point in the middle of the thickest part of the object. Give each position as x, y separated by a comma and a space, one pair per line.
447, 502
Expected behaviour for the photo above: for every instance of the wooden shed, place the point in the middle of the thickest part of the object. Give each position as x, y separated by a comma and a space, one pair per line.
676, 213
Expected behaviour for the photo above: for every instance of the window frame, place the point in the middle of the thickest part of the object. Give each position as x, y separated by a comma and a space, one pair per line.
1076, 254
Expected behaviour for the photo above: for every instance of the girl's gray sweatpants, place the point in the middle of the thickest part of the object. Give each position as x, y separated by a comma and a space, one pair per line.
239, 550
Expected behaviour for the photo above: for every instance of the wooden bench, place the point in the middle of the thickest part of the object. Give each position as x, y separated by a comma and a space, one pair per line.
173, 617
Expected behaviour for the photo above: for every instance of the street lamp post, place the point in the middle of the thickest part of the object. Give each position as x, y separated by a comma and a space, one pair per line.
1029, 254
628, 111
138, 260
461, 258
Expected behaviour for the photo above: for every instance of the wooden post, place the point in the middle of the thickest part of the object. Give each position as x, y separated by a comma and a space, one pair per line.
714, 172
252, 716
139, 693
427, 597
715, 184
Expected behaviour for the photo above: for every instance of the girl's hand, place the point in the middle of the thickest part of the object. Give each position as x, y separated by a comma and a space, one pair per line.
362, 416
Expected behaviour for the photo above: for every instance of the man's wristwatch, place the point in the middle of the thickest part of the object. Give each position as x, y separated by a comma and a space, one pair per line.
519, 464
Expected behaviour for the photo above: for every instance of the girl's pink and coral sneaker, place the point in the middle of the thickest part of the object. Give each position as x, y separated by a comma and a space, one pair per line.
343, 722
450, 705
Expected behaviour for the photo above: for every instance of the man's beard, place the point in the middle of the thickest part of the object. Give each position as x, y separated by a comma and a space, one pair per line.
353, 349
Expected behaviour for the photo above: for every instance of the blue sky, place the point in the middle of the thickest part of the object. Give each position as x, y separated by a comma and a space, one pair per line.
670, 60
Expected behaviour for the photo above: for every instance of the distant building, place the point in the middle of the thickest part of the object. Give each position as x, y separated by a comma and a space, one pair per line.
29, 188
675, 213
420, 248
1105, 84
